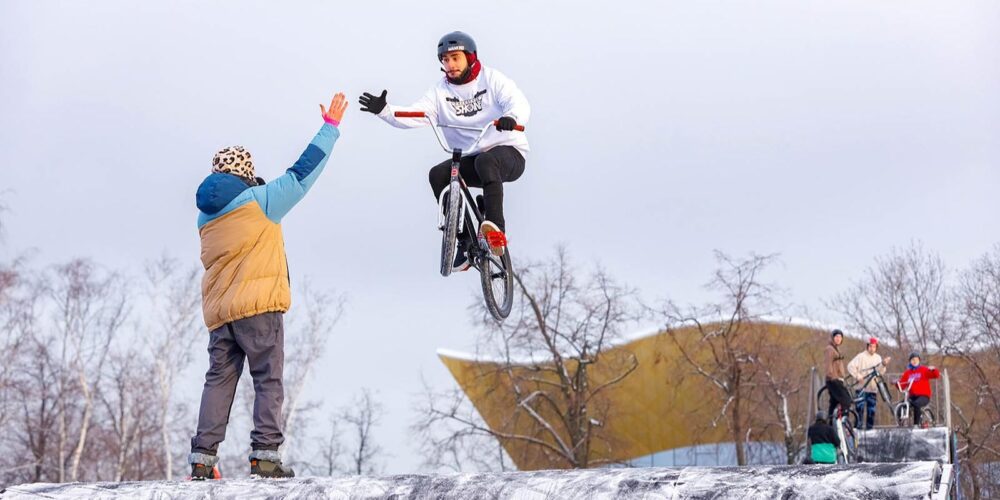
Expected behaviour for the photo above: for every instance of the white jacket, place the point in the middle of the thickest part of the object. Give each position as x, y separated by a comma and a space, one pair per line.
490, 96
862, 365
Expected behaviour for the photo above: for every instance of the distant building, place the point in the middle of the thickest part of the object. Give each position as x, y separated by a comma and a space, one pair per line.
662, 413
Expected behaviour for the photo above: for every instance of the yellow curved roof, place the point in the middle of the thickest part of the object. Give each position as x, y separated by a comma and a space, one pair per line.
653, 408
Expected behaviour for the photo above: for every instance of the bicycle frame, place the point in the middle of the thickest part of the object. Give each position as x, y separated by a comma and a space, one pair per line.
883, 388
905, 403
842, 433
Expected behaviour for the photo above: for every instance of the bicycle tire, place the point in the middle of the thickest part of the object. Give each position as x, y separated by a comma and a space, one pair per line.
851, 444
850, 412
851, 415
819, 397
927, 415
883, 391
450, 232
498, 283
898, 413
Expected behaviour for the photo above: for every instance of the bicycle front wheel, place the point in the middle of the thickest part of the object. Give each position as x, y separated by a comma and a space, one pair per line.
497, 277
449, 233
902, 414
851, 444
851, 416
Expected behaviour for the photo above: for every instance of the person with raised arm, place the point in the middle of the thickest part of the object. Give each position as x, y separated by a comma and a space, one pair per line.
246, 291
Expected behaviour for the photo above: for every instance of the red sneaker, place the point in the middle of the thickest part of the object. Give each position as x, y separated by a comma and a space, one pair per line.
494, 237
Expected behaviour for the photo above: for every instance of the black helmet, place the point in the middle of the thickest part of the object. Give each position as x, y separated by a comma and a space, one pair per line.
456, 40
913, 355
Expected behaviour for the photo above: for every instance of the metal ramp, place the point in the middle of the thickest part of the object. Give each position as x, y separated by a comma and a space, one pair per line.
899, 445
896, 444
911, 480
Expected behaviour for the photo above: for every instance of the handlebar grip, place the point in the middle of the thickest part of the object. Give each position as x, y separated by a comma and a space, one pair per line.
410, 114
519, 128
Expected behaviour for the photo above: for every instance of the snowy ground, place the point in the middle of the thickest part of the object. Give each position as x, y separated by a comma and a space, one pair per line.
870, 481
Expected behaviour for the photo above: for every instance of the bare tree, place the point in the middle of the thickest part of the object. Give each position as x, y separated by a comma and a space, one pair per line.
128, 400
722, 349
978, 422
332, 449
782, 387
453, 436
3, 208
903, 296
37, 394
90, 308
173, 299
547, 367
310, 327
16, 323
361, 417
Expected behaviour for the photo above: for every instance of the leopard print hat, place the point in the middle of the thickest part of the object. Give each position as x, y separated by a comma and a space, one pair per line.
234, 160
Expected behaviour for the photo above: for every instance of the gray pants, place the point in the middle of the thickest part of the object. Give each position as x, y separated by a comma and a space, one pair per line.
261, 341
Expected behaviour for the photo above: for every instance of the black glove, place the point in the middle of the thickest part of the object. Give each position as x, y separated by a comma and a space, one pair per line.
506, 123
373, 104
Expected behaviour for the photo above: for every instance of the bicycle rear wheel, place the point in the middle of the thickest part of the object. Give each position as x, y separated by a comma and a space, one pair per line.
449, 233
883, 391
927, 417
497, 277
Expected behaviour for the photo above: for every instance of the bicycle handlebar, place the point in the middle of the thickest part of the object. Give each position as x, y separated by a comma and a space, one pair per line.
421, 114
436, 126
519, 128
909, 385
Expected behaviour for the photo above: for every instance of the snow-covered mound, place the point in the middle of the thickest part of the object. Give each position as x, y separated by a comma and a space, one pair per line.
902, 481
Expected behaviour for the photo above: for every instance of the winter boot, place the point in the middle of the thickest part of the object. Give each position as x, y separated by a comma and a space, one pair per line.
204, 467
267, 464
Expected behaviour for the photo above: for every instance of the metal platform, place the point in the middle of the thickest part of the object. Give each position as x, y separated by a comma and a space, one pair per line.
898, 444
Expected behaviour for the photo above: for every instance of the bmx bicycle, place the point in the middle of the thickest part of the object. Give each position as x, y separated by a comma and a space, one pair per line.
465, 211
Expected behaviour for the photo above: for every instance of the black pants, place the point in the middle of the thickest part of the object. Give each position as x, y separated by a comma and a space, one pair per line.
839, 395
487, 170
918, 403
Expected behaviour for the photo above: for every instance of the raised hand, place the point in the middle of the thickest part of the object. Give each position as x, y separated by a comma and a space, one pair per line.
373, 104
336, 111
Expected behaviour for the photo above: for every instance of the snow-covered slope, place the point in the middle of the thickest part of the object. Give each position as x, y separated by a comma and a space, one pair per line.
902, 481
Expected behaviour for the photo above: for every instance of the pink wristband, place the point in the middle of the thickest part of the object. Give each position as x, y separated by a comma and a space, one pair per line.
331, 121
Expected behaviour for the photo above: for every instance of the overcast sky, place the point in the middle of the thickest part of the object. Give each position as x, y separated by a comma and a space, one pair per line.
828, 132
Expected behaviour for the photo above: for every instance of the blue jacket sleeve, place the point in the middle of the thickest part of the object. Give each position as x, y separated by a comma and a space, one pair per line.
279, 196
